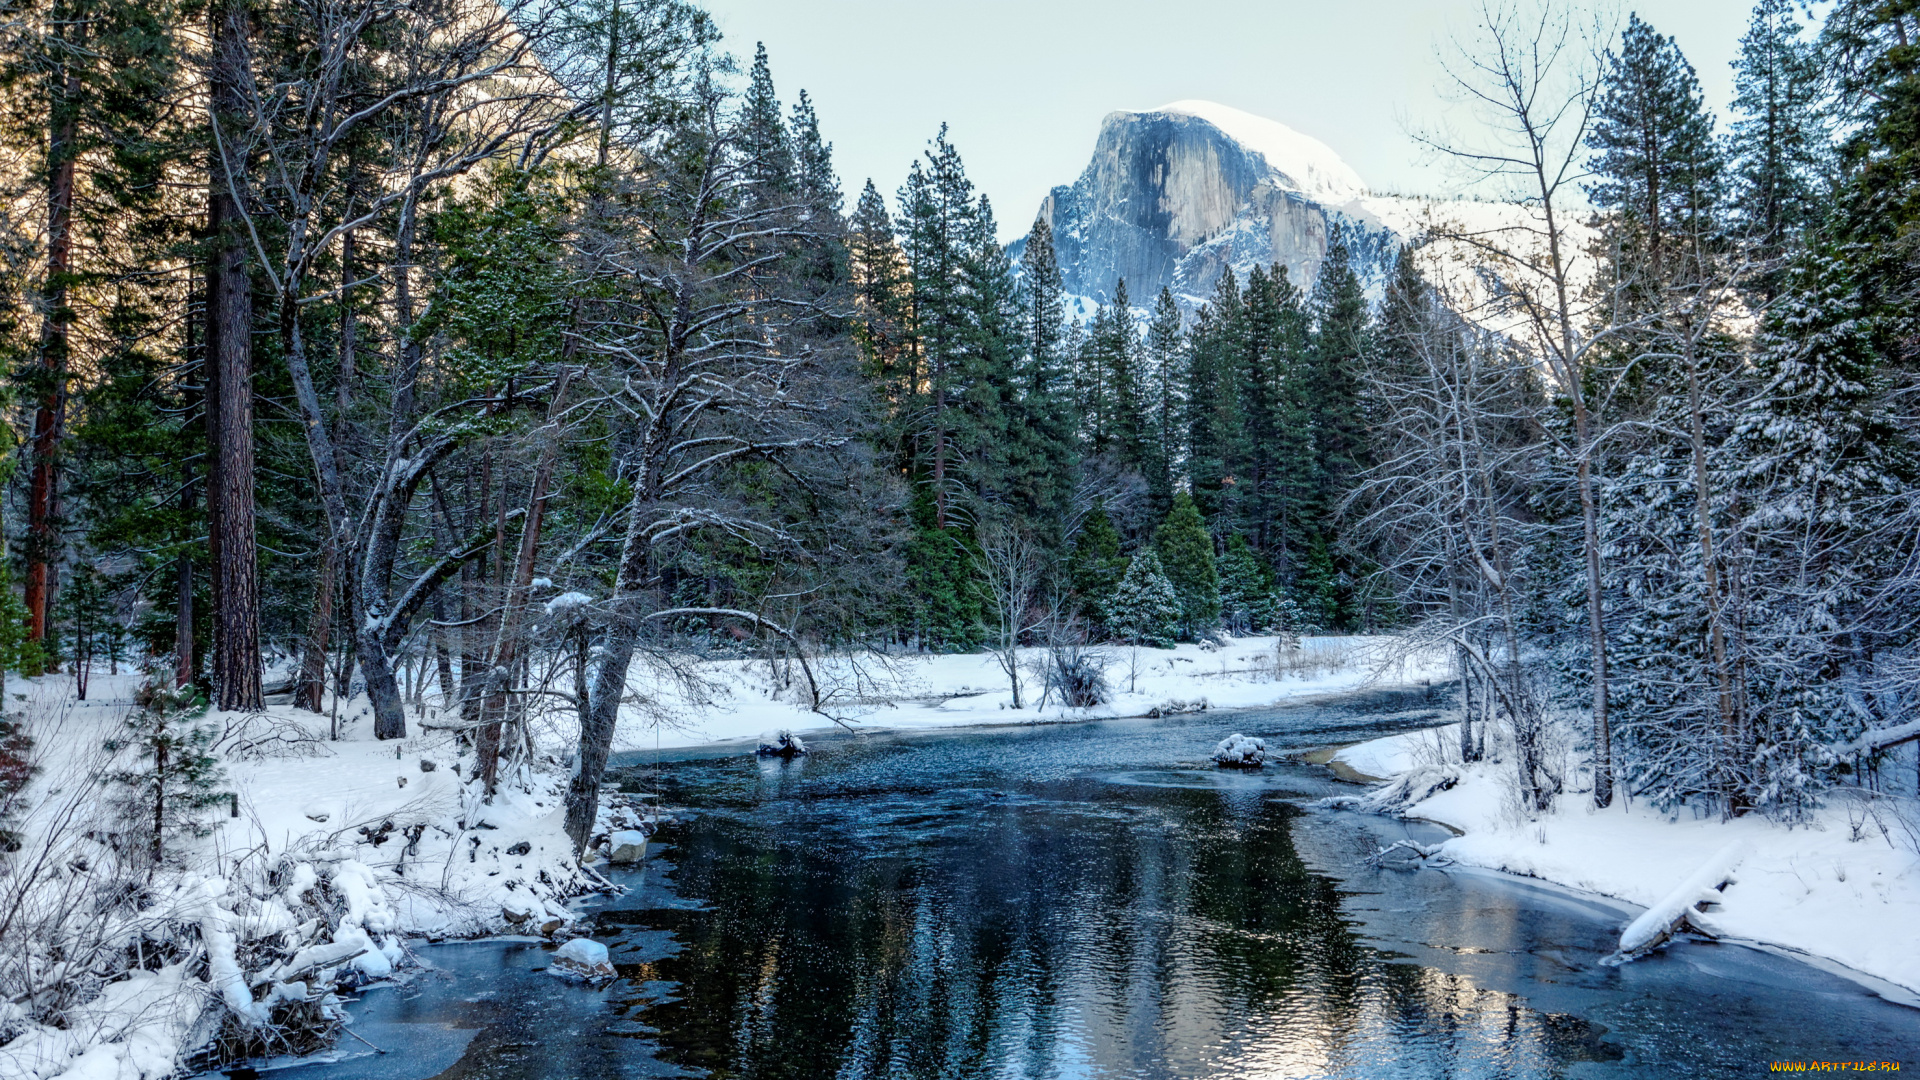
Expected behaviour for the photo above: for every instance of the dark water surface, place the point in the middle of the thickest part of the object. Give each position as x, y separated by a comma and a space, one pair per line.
1090, 900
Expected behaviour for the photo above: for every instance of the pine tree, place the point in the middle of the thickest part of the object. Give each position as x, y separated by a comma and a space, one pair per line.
764, 140
814, 179
1340, 317
1041, 434
175, 780
1655, 159
1779, 144
1165, 372
1096, 565
1145, 608
1247, 601
1186, 551
1279, 492
1819, 465
1216, 433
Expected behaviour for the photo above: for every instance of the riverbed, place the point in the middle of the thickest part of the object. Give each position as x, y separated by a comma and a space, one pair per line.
1088, 900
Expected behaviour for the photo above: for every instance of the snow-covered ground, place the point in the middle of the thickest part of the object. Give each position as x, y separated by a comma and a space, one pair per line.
331, 855
739, 699
1842, 888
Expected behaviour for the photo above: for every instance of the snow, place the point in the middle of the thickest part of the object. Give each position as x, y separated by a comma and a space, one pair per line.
567, 601
1703, 886
741, 699
368, 842
1311, 164
1843, 887
1241, 751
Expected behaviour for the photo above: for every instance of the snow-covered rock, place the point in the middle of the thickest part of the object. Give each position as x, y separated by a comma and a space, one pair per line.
1239, 751
781, 743
626, 846
582, 958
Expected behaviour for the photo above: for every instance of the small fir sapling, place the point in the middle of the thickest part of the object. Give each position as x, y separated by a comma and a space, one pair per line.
1144, 608
174, 776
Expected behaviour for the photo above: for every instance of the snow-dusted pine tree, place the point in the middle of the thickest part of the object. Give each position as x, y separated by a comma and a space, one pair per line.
1144, 609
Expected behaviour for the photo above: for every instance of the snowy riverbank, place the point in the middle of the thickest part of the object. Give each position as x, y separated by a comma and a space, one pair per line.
736, 700
326, 858
1840, 889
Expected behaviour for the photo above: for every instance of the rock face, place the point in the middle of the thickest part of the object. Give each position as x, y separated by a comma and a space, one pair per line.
1176, 195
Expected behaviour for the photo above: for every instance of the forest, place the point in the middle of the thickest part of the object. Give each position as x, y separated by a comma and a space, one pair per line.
523, 350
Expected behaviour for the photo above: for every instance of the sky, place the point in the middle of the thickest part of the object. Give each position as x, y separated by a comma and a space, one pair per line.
1023, 84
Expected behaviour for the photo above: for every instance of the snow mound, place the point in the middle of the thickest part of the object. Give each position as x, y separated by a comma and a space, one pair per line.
1239, 751
781, 743
1312, 165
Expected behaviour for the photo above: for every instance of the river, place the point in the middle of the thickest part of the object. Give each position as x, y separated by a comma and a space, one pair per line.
1088, 900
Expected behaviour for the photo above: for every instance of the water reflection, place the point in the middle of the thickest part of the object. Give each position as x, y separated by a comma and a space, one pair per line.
1147, 923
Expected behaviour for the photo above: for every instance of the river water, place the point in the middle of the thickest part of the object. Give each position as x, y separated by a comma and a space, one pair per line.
1088, 900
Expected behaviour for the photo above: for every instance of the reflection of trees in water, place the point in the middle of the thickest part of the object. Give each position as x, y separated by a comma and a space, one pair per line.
1079, 927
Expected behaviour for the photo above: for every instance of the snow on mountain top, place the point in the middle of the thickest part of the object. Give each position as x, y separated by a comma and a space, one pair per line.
1311, 164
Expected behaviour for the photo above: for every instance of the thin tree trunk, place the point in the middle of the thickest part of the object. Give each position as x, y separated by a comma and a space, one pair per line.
236, 639
313, 664
183, 658
506, 643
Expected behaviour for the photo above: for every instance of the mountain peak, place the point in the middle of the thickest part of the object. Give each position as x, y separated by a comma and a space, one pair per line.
1313, 166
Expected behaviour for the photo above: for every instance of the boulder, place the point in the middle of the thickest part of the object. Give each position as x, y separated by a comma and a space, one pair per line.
584, 959
627, 846
1239, 751
781, 744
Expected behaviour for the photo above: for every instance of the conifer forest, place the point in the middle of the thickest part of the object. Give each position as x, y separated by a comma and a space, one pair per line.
493, 382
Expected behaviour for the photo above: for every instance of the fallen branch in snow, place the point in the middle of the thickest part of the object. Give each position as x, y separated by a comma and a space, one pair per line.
1422, 851
1398, 795
1682, 907
1873, 742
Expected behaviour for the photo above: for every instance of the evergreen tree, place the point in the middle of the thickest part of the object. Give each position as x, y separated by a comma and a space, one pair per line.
1145, 608
1247, 600
1279, 492
1216, 431
1655, 159
1096, 564
1041, 432
1779, 144
764, 140
814, 179
1165, 363
174, 780
1125, 426
1334, 398
1819, 466
1186, 551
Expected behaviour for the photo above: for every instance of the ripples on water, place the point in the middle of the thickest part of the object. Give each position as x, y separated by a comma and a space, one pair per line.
1090, 901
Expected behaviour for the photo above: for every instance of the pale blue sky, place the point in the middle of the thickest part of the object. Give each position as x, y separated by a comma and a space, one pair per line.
1024, 83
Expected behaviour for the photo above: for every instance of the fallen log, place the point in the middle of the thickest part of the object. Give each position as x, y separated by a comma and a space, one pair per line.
1683, 907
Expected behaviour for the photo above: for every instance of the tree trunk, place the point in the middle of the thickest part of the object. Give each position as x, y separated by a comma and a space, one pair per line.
1596, 615
313, 664
506, 643
183, 658
43, 542
236, 613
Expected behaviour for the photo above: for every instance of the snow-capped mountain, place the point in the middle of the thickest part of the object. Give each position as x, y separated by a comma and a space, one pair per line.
1175, 195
